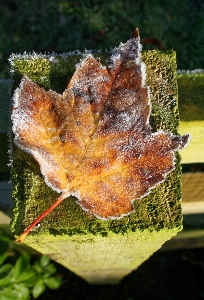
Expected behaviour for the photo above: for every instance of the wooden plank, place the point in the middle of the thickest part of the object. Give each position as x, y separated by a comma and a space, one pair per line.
193, 193
4, 218
186, 239
194, 153
191, 111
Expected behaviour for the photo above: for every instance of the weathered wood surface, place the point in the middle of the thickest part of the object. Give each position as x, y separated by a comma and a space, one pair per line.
194, 153
191, 111
193, 193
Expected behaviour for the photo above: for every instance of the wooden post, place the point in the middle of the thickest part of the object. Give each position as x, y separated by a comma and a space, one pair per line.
191, 108
101, 252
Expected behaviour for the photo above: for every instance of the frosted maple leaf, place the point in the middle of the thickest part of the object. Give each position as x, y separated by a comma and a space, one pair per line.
94, 141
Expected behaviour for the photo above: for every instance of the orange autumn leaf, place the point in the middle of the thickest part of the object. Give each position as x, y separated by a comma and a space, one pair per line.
94, 141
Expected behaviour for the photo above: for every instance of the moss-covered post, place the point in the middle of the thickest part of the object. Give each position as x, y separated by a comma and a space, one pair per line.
191, 108
101, 252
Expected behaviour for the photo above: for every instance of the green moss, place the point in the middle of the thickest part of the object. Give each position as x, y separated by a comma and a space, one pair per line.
191, 95
161, 77
160, 209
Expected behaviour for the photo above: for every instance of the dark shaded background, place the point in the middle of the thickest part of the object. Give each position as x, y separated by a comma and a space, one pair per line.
63, 26
169, 275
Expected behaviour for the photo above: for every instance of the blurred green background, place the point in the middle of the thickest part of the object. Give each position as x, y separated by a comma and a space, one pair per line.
63, 25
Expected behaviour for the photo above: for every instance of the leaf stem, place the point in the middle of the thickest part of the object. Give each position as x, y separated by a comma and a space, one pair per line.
45, 213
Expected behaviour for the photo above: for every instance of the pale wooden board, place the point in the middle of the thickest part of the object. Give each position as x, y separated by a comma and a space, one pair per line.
193, 193
4, 219
194, 152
